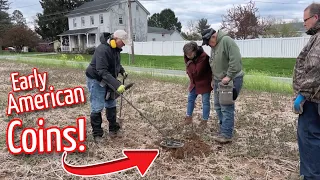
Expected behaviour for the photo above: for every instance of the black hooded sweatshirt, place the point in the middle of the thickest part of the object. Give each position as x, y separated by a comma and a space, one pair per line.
105, 63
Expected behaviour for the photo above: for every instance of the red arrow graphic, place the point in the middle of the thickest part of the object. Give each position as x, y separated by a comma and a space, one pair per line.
142, 159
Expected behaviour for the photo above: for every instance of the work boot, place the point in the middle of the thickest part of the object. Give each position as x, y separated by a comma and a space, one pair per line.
222, 139
187, 120
114, 127
203, 124
98, 139
96, 121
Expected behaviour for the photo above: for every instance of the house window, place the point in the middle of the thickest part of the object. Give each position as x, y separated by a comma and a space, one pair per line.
92, 20
82, 21
101, 18
137, 7
120, 6
94, 39
153, 39
74, 22
120, 20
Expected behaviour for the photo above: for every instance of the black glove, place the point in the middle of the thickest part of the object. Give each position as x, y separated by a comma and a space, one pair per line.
124, 74
206, 35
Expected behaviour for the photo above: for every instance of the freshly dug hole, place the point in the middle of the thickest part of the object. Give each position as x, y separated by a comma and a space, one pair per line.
193, 147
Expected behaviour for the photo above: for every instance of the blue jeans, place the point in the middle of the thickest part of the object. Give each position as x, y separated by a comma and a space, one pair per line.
97, 96
309, 141
205, 104
226, 112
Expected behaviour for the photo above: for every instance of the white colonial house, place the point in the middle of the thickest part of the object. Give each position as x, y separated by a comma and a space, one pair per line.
161, 34
88, 21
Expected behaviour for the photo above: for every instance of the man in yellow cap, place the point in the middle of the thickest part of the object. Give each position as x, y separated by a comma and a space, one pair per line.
105, 66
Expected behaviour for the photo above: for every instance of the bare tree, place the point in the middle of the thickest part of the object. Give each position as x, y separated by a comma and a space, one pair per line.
191, 33
18, 18
242, 22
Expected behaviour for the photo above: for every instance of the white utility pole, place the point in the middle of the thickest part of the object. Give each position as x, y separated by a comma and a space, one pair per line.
131, 31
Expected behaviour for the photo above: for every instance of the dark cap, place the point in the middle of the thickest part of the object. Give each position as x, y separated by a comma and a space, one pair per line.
206, 35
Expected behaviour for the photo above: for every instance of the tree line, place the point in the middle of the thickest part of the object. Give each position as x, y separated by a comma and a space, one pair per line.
240, 22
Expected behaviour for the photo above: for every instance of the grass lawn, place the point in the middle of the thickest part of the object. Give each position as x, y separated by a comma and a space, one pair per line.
14, 53
257, 82
269, 66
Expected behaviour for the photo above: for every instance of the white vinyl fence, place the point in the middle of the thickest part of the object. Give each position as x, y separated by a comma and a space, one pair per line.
264, 47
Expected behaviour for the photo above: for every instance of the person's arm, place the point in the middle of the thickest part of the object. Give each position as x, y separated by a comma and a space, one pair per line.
299, 71
201, 67
310, 81
122, 69
234, 55
102, 66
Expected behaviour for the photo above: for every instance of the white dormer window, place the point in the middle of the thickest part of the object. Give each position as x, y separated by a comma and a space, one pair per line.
101, 18
82, 21
120, 20
74, 22
92, 20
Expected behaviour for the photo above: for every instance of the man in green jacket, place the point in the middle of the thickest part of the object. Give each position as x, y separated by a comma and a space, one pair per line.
226, 65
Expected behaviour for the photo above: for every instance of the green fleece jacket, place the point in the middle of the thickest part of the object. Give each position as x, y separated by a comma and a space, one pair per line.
225, 58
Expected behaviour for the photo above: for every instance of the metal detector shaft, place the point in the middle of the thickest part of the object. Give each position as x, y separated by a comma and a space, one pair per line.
121, 99
141, 114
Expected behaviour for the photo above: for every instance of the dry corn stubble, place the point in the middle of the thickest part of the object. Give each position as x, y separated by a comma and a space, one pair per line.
264, 146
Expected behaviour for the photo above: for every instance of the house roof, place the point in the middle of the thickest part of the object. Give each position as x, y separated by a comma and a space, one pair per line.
97, 6
77, 31
157, 30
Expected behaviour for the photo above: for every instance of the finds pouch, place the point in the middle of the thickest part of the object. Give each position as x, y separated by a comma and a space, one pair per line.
226, 93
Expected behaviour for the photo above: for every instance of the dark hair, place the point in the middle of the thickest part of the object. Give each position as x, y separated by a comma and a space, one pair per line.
314, 9
190, 47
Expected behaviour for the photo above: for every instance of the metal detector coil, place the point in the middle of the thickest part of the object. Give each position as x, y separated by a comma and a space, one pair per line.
169, 143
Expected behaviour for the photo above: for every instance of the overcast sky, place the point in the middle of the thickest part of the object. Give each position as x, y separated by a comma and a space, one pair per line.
187, 10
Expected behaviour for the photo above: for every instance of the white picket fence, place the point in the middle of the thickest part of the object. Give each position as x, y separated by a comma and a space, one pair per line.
264, 47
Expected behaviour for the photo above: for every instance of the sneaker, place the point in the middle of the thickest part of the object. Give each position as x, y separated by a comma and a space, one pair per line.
222, 139
98, 139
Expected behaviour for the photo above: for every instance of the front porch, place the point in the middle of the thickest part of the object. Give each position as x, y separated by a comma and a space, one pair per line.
79, 40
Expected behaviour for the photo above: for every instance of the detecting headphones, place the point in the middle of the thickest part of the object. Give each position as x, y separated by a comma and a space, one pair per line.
113, 43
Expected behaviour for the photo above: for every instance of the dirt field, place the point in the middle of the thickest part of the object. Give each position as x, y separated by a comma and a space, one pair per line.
264, 147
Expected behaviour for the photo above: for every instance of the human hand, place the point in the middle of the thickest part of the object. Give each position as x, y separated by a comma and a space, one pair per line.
121, 89
298, 103
124, 75
226, 80
189, 62
212, 84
